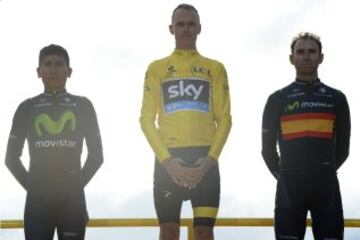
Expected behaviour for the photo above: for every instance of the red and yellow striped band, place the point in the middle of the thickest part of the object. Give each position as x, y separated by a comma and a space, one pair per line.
319, 125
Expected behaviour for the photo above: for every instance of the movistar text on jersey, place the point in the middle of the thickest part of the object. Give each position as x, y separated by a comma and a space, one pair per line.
61, 143
317, 104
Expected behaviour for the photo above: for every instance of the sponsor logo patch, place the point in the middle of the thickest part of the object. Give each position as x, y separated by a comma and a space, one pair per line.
186, 94
316, 105
297, 104
202, 70
292, 106
50, 143
44, 121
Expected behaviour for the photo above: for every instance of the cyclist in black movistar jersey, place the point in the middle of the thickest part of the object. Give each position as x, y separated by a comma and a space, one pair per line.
55, 124
310, 122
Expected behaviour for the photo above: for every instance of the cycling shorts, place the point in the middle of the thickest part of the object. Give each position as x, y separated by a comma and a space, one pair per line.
205, 197
64, 212
318, 193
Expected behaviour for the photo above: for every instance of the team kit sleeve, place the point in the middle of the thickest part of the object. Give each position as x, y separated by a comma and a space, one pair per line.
221, 105
15, 146
93, 143
270, 131
149, 113
342, 130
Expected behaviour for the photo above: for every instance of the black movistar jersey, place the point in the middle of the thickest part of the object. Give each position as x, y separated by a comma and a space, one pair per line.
310, 122
55, 126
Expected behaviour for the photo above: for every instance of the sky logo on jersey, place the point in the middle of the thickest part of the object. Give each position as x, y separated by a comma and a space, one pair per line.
44, 121
186, 94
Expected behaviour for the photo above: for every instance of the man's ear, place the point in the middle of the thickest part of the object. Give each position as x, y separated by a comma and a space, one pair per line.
38, 72
69, 72
291, 59
171, 29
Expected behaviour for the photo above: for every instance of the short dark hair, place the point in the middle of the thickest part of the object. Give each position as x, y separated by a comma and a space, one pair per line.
306, 35
53, 49
187, 7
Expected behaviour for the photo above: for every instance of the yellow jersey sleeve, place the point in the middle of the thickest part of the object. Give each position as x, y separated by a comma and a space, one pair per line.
221, 108
149, 113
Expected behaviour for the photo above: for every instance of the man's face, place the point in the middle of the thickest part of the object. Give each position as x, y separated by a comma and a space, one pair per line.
54, 71
306, 57
185, 27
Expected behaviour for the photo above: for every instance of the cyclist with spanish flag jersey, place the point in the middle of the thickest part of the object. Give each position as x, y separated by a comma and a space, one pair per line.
55, 124
186, 118
310, 122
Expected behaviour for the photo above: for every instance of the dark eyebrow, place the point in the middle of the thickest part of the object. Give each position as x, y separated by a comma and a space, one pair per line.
302, 50
46, 63
183, 22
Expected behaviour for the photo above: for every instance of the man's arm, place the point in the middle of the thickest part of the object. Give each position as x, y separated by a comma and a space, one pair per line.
93, 144
342, 130
221, 105
222, 118
270, 130
15, 146
149, 113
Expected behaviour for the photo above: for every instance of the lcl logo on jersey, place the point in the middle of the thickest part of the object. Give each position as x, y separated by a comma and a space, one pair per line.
202, 70
44, 121
186, 94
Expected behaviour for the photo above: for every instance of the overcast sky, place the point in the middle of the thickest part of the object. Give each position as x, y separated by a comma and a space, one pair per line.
111, 44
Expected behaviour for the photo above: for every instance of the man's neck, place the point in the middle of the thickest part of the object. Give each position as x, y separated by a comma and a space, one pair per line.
307, 77
53, 90
185, 48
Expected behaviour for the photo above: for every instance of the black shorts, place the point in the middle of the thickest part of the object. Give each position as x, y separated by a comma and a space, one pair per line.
168, 196
318, 193
64, 212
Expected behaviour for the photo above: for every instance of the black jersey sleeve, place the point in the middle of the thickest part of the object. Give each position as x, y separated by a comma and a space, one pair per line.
270, 131
342, 130
15, 146
93, 143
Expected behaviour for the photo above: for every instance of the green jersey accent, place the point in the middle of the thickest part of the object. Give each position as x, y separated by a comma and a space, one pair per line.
54, 127
292, 106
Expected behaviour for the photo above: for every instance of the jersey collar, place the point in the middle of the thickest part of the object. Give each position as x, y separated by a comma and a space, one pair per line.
306, 82
55, 93
185, 53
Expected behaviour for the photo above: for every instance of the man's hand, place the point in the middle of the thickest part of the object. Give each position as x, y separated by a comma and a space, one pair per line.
203, 165
181, 175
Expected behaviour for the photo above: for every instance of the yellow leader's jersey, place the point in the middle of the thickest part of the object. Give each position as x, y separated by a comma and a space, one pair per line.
186, 103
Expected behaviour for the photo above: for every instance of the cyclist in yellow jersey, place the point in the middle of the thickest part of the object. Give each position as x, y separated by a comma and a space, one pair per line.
186, 118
